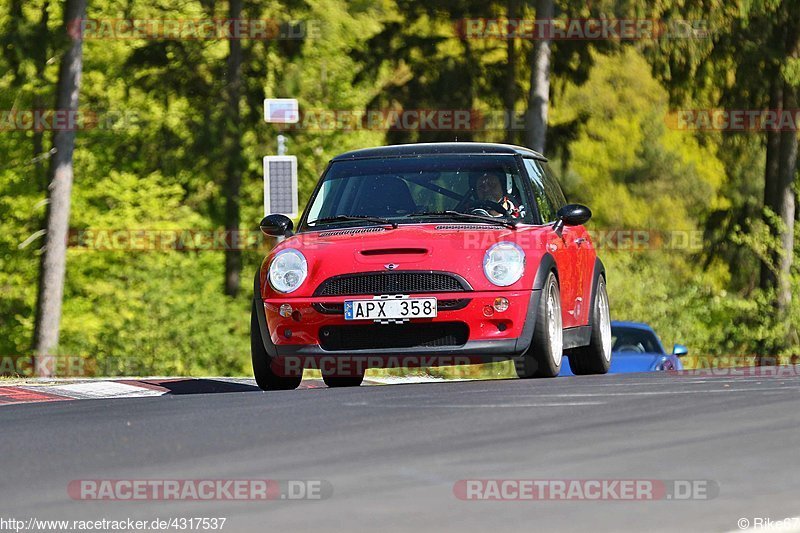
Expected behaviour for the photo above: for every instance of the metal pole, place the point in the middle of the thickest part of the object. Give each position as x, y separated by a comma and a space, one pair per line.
281, 151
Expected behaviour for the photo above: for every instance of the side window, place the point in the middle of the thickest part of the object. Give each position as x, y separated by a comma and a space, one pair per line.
551, 187
546, 207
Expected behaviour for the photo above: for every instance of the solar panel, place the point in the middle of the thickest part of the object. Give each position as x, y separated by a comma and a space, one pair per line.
280, 185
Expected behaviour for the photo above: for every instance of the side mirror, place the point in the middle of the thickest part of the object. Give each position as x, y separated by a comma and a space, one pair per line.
572, 215
680, 350
276, 226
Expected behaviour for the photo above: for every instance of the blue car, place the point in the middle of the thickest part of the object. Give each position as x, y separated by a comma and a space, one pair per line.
635, 347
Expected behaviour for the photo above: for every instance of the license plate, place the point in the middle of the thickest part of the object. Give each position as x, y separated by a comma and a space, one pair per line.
389, 308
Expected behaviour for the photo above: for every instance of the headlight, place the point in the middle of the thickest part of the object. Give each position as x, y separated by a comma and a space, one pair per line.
288, 270
504, 263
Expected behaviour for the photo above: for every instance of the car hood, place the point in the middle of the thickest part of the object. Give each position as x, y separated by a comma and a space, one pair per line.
447, 246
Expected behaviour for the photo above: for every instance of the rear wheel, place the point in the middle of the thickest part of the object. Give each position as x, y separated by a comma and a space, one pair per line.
543, 358
596, 357
265, 376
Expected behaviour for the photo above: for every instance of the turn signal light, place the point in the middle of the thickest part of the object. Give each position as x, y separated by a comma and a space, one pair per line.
500, 304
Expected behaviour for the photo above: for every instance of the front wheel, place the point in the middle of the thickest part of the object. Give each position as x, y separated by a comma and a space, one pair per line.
543, 358
266, 377
596, 357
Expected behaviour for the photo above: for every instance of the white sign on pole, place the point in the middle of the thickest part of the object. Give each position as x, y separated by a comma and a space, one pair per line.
281, 110
280, 185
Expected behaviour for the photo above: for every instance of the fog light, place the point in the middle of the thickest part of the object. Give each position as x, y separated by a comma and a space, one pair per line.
500, 304
286, 311
488, 311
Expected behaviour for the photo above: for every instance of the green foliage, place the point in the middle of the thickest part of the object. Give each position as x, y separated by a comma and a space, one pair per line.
626, 163
636, 173
155, 161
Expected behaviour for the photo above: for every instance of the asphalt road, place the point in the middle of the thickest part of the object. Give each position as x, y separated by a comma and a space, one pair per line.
393, 453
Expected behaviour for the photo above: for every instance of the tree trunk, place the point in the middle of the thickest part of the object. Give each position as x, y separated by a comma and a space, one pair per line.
233, 180
539, 96
510, 89
780, 175
54, 259
768, 279
785, 203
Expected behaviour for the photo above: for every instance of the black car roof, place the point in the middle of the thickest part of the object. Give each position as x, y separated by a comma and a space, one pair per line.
411, 150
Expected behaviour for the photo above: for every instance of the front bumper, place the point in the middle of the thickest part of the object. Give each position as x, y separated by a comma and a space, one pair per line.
491, 336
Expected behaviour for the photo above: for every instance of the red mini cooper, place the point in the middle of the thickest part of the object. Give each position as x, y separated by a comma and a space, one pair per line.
426, 255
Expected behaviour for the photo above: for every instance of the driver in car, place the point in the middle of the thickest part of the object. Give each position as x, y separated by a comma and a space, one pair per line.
489, 188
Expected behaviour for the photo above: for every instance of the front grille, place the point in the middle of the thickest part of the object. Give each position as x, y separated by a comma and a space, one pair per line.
333, 308
377, 283
377, 336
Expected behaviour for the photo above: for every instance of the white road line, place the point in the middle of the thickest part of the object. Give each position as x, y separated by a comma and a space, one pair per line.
664, 393
396, 380
100, 389
472, 405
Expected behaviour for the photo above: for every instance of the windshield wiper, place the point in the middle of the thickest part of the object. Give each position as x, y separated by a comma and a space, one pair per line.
511, 223
347, 218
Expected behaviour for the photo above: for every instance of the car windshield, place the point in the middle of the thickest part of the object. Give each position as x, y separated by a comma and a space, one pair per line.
413, 189
634, 340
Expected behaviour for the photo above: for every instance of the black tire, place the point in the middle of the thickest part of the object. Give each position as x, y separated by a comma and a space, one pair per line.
596, 357
543, 358
266, 378
343, 381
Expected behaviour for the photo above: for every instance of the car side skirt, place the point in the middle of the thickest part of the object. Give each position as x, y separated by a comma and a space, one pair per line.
577, 337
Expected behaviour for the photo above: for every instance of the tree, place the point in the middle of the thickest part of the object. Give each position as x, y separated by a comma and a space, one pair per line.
510, 90
25, 40
233, 179
54, 259
752, 61
780, 177
539, 94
